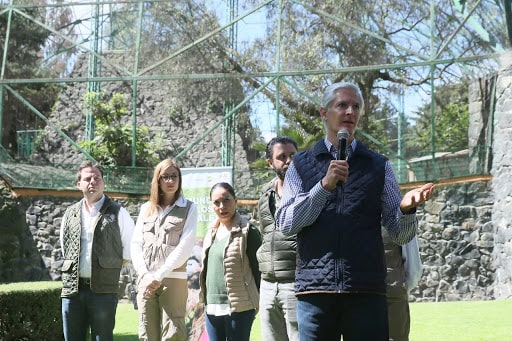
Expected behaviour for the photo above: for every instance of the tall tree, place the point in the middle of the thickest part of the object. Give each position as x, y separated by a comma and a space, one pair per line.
173, 43
451, 121
24, 60
356, 37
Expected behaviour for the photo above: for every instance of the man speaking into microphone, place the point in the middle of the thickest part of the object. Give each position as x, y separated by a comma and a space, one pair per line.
340, 276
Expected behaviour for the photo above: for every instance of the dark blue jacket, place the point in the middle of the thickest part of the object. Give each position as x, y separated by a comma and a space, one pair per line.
342, 250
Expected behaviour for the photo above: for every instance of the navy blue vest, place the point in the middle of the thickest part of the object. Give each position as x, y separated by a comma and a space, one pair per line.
342, 250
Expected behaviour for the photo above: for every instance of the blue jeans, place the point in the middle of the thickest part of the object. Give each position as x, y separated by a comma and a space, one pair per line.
356, 317
278, 311
234, 327
89, 310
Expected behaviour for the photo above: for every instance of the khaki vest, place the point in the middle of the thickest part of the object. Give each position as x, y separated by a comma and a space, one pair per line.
107, 249
243, 293
160, 239
395, 278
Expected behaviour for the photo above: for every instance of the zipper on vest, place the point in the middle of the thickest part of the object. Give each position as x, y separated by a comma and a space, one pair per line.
338, 263
340, 198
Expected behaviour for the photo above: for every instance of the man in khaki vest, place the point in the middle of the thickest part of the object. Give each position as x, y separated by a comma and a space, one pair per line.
404, 270
95, 239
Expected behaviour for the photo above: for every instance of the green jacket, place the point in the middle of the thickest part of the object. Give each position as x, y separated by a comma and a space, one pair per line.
277, 254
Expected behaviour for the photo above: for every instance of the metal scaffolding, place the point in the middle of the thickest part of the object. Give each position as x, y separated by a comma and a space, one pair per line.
98, 36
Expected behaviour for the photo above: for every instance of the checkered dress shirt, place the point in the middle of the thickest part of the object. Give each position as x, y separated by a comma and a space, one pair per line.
300, 209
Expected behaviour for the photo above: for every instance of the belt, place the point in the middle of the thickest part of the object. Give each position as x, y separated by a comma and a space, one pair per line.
84, 281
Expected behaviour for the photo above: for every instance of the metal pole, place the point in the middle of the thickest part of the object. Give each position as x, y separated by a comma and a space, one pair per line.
490, 128
2, 71
432, 89
402, 172
278, 66
134, 88
93, 86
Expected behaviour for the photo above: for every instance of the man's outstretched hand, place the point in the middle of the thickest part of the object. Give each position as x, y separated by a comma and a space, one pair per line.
415, 197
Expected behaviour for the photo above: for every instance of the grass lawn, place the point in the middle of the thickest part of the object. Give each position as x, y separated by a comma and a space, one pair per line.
458, 321
450, 321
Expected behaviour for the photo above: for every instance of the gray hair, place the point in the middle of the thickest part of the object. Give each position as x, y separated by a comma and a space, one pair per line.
331, 89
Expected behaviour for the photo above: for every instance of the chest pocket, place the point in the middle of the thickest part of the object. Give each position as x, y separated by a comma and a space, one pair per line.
168, 230
148, 230
161, 236
171, 230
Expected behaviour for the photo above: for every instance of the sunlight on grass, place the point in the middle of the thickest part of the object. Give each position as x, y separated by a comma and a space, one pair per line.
450, 321
126, 323
454, 321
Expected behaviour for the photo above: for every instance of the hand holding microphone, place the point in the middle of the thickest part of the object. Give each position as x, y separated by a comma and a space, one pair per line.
337, 172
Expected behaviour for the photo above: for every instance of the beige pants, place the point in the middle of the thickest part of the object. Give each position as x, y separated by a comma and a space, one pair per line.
162, 316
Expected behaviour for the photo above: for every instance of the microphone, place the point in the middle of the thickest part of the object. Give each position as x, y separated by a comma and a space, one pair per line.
343, 136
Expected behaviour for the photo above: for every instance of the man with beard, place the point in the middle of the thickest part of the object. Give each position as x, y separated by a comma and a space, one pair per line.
276, 256
95, 238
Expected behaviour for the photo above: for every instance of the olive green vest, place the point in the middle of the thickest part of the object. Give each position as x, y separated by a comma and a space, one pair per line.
277, 253
107, 249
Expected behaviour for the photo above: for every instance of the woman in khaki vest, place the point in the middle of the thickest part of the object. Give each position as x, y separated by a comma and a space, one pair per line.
163, 241
230, 277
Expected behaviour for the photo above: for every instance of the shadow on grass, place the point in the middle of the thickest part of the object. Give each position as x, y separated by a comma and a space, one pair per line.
126, 337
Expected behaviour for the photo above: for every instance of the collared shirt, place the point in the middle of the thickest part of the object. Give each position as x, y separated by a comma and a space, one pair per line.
182, 251
300, 209
89, 220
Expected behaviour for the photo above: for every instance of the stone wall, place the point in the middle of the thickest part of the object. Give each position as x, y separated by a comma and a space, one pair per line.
29, 239
502, 184
20, 258
455, 237
456, 242
43, 220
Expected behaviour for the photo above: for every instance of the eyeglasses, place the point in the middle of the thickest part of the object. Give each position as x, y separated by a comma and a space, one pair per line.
168, 178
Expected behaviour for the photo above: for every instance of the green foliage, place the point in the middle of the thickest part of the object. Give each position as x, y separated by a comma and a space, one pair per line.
30, 311
106, 113
112, 142
453, 126
316, 35
339, 34
381, 132
451, 122
24, 60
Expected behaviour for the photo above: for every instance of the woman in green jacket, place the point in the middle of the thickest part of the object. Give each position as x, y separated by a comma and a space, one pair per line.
229, 277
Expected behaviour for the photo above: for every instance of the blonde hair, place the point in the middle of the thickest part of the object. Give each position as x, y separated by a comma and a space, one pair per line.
156, 193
